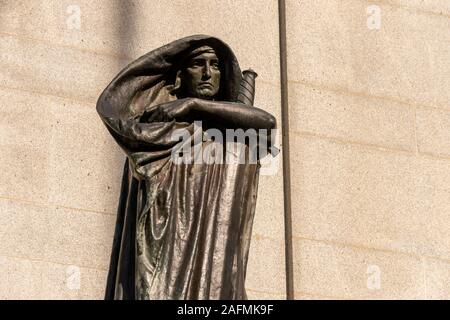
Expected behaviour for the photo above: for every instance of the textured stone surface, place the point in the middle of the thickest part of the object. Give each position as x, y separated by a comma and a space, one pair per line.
40, 280
55, 234
438, 7
269, 217
356, 118
438, 279
266, 266
433, 134
86, 164
23, 161
37, 66
262, 295
132, 28
329, 44
369, 147
353, 273
373, 198
57, 151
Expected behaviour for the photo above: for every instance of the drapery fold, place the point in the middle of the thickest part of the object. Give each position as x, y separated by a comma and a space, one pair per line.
183, 230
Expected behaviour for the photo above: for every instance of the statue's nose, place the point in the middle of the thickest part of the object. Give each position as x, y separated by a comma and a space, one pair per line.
207, 72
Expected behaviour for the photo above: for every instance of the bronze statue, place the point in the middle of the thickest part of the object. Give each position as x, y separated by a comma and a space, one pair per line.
183, 229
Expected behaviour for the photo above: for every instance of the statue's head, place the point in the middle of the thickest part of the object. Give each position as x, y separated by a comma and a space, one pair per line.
199, 75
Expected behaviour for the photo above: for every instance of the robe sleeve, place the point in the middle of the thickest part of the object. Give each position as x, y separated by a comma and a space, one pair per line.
135, 92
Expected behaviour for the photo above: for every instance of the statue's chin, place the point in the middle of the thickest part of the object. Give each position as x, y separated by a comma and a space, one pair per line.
206, 94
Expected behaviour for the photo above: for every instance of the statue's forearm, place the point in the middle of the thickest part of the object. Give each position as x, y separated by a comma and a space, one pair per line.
235, 115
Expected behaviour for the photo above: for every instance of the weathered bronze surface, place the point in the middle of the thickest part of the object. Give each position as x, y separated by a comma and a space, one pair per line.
183, 230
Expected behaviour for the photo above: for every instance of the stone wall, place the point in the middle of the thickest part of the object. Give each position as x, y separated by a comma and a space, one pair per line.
369, 119
370, 141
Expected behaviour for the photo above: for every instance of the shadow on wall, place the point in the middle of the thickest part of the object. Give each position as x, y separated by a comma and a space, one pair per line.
126, 26
125, 16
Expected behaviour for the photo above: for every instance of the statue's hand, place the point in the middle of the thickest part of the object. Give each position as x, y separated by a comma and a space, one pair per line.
172, 110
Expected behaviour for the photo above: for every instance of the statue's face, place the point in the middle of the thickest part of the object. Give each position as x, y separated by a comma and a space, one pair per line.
201, 77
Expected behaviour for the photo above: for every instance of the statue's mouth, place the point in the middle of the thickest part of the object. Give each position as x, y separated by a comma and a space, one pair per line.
205, 84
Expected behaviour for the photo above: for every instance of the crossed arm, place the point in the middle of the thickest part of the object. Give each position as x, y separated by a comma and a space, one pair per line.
226, 114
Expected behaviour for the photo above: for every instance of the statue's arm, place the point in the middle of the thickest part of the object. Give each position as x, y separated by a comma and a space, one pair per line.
226, 114
234, 115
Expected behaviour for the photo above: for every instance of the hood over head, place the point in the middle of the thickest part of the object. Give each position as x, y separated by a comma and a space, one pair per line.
149, 80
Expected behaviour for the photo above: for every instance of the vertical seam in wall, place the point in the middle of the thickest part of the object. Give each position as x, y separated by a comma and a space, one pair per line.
285, 148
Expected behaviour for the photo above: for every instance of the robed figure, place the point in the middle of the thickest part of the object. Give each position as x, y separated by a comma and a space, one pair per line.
183, 228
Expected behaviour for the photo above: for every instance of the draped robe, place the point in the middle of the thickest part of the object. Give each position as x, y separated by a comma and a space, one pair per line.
183, 230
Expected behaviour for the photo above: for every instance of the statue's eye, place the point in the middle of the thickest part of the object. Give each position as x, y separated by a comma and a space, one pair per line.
215, 65
196, 63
